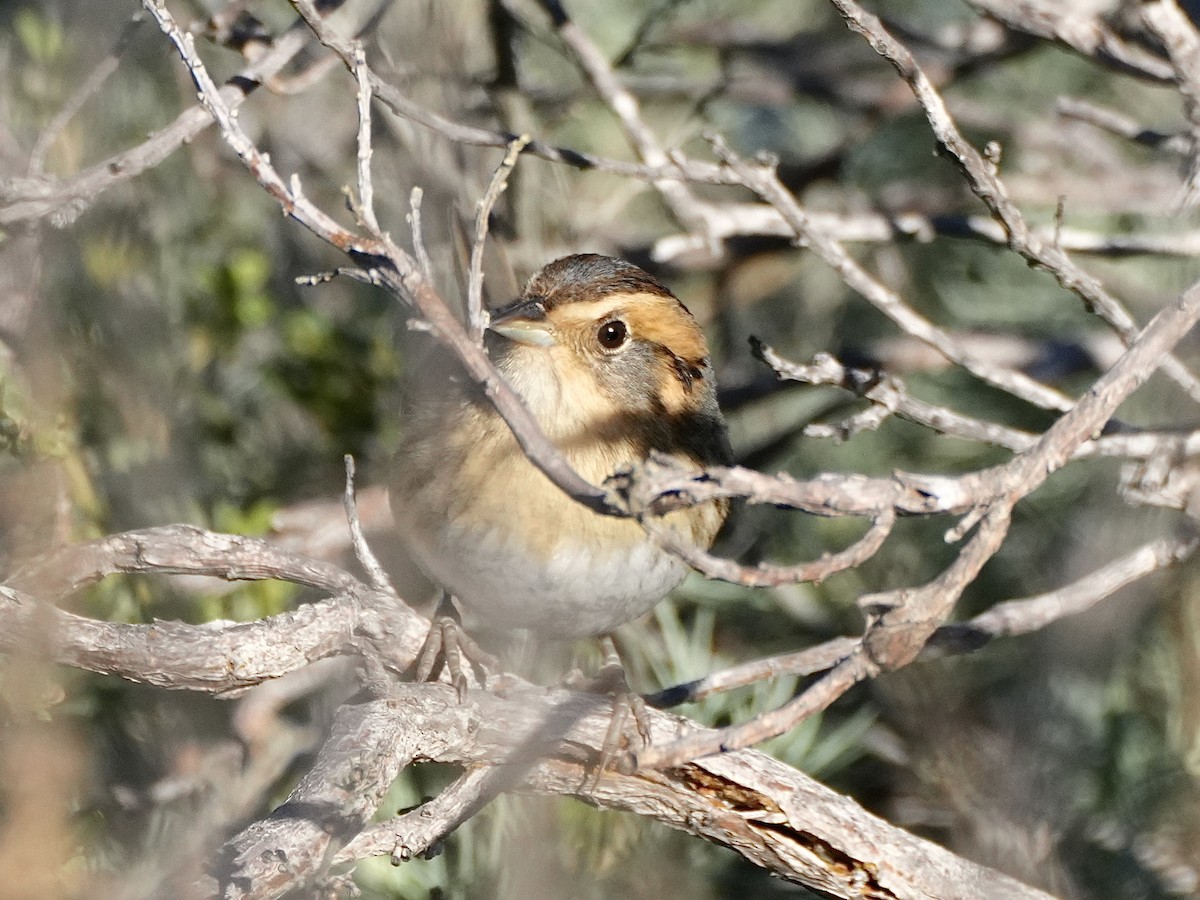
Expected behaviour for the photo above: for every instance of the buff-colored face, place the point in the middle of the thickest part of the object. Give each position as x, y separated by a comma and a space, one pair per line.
597, 345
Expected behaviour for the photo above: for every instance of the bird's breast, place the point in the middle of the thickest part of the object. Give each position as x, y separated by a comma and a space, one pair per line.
486, 524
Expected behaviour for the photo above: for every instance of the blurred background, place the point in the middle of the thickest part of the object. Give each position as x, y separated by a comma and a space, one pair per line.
159, 363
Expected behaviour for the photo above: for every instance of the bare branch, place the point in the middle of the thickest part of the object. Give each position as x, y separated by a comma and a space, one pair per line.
901, 622
1123, 126
222, 658
768, 574
1178, 34
418, 239
683, 203
418, 831
1025, 616
86, 90
362, 550
1010, 618
1085, 34
64, 199
748, 219
366, 189
765, 182
372, 742
771, 814
483, 211
981, 175
890, 395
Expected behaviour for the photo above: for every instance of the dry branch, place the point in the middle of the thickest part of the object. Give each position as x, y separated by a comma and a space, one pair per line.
531, 738
982, 176
62, 200
514, 736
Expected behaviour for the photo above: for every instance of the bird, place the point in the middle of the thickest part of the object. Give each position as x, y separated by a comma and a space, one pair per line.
614, 369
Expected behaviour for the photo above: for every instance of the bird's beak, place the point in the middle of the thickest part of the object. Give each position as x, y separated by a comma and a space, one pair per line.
524, 322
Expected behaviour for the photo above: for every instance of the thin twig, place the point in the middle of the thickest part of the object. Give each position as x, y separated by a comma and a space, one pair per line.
87, 88
366, 189
683, 203
418, 238
1030, 614
1085, 34
769, 574
1120, 124
729, 220
476, 322
1178, 34
984, 181
1007, 619
889, 394
370, 563
417, 832
64, 199
764, 181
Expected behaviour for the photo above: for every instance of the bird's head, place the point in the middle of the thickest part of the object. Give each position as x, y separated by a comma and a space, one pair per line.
599, 346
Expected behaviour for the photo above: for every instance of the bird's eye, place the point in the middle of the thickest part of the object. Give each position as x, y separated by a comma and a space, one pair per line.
612, 334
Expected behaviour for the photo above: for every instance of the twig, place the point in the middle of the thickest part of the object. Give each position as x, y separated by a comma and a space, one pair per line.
375, 572
90, 84
890, 394
771, 575
683, 203
1007, 619
1123, 126
64, 199
366, 189
730, 220
984, 182
808, 661
1027, 615
765, 182
418, 831
418, 238
476, 322
1085, 34
1177, 33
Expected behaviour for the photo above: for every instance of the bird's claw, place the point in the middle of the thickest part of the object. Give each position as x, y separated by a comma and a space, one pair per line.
449, 646
611, 679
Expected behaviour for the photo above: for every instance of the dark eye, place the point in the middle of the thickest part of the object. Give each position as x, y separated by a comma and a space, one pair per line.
612, 334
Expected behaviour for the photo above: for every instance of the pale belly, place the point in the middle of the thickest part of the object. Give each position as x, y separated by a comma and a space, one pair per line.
574, 593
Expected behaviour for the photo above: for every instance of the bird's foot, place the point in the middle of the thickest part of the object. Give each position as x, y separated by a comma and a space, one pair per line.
628, 709
449, 646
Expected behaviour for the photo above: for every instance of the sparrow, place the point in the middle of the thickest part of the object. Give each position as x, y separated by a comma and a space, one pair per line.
614, 368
